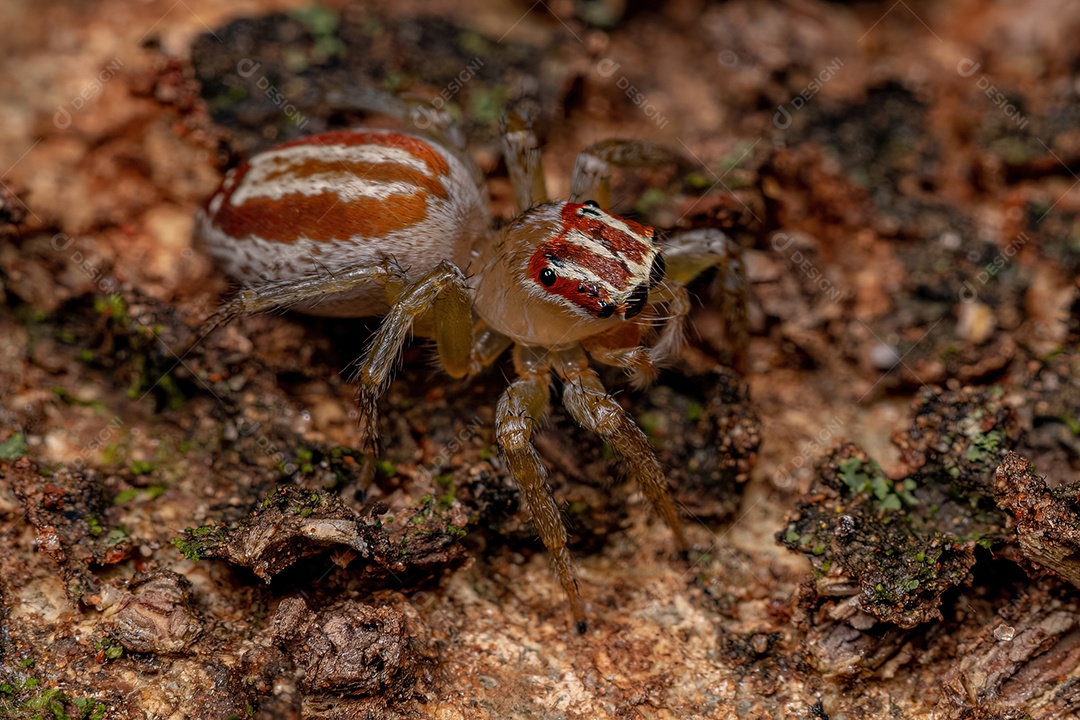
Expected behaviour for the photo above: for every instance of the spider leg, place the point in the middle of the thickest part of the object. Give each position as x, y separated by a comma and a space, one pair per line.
516, 416
676, 301
523, 163
443, 291
621, 347
308, 290
588, 402
488, 345
690, 253
592, 169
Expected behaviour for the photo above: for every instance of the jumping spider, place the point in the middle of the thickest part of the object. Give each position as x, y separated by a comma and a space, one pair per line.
358, 223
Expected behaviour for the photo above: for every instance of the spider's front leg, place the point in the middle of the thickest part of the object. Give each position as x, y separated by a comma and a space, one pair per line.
590, 405
519, 410
521, 149
689, 253
592, 169
442, 290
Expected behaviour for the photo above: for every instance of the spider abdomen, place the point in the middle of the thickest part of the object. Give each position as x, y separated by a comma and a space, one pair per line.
343, 199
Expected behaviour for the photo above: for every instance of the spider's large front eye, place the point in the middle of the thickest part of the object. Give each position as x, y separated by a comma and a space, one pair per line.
547, 277
636, 302
592, 203
656, 272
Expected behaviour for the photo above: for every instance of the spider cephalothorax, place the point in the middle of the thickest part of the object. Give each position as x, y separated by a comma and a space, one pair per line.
598, 262
369, 222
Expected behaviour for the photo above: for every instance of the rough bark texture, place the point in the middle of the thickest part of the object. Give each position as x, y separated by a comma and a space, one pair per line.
190, 532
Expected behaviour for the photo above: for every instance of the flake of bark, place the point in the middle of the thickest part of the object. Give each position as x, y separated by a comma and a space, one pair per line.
154, 614
292, 524
70, 516
1027, 656
356, 649
1047, 522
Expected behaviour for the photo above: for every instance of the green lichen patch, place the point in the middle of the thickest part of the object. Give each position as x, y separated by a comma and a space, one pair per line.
901, 542
200, 542
866, 539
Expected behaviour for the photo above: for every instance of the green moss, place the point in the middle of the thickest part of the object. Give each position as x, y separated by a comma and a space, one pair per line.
487, 106
694, 411
199, 541
112, 306
323, 25
14, 447
69, 399
141, 467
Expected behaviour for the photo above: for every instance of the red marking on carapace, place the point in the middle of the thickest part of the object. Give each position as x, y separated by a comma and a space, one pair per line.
387, 172
567, 287
613, 239
350, 138
611, 270
322, 218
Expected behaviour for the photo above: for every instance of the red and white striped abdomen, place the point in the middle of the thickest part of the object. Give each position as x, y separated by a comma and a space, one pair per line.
344, 199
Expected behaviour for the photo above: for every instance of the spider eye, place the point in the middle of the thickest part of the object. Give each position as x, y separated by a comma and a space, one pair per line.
636, 302
605, 310
547, 277
656, 272
592, 203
